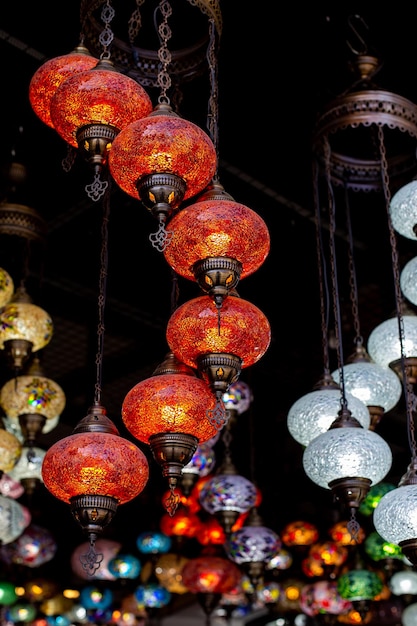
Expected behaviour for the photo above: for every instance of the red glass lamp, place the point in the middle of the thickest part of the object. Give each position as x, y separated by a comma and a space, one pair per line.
217, 243
94, 470
169, 411
51, 74
162, 159
219, 349
89, 108
209, 576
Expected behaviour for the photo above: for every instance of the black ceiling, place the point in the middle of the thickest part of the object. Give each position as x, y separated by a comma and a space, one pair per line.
277, 66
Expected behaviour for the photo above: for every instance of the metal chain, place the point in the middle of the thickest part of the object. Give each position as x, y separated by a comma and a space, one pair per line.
106, 36
135, 23
213, 109
321, 265
164, 54
335, 289
352, 275
408, 388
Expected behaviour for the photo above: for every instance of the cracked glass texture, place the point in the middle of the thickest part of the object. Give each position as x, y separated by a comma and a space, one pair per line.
403, 210
252, 544
228, 492
384, 345
395, 517
408, 280
347, 452
371, 383
312, 414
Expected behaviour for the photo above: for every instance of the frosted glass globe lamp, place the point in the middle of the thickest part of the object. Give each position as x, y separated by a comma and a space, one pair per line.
312, 414
403, 583
28, 469
347, 459
408, 280
409, 615
403, 210
378, 387
384, 345
395, 517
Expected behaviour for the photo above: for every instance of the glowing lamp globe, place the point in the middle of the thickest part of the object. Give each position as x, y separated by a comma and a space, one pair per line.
408, 278
238, 397
24, 328
6, 287
373, 384
153, 542
210, 574
51, 74
341, 535
101, 96
217, 243
219, 344
14, 518
168, 571
359, 584
10, 450
313, 413
299, 533
409, 615
93, 597
94, 470
347, 460
8, 593
28, 469
202, 462
152, 595
378, 549
323, 597
170, 413
395, 518
373, 497
162, 158
125, 566
181, 524
403, 210
384, 345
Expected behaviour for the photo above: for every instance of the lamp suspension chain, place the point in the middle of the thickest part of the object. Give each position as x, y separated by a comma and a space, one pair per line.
410, 398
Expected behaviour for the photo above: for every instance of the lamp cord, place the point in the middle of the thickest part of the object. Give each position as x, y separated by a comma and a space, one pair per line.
408, 390
323, 283
102, 297
333, 264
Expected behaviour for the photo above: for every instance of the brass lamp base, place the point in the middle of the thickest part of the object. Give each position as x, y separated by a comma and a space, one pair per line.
409, 547
350, 491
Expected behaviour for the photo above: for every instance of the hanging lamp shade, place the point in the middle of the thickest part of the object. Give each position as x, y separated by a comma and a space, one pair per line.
153, 542
181, 524
96, 104
202, 463
376, 386
32, 398
238, 397
409, 615
384, 345
373, 497
48, 77
168, 571
339, 533
347, 459
299, 533
14, 518
94, 470
227, 495
403, 583
403, 210
6, 287
210, 574
408, 280
359, 584
312, 414
125, 566
378, 549
24, 328
162, 159
218, 345
217, 243
253, 546
170, 413
321, 598
152, 595
28, 469
10, 450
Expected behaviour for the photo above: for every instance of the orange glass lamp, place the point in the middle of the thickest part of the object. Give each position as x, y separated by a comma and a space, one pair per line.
10, 450
24, 328
162, 159
94, 470
51, 74
169, 413
89, 108
218, 349
217, 243
183, 523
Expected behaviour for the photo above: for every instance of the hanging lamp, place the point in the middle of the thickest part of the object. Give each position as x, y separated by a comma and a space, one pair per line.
403, 210
217, 243
347, 459
25, 328
218, 348
169, 412
48, 77
10, 450
32, 399
252, 546
95, 469
6, 287
202, 463
408, 280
